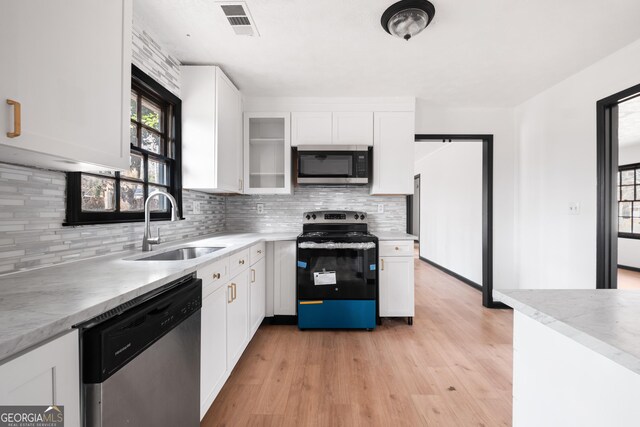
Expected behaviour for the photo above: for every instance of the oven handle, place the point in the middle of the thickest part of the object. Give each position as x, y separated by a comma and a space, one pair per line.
334, 245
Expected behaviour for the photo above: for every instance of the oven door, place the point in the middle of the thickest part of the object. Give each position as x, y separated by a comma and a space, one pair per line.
337, 270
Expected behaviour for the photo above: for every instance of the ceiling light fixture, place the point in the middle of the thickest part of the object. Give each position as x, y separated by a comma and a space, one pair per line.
407, 18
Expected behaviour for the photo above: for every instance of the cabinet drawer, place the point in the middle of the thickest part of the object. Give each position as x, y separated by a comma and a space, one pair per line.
238, 262
396, 248
215, 273
257, 252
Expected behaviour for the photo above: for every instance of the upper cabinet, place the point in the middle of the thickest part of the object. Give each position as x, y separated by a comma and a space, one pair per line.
211, 131
267, 153
353, 128
327, 128
65, 83
311, 128
393, 155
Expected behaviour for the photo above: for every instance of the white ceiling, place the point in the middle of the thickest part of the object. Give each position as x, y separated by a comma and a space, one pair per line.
475, 53
629, 122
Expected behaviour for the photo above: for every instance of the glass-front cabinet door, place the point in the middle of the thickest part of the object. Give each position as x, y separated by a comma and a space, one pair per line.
267, 153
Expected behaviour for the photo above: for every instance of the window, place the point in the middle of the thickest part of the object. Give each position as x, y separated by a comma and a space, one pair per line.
154, 163
629, 200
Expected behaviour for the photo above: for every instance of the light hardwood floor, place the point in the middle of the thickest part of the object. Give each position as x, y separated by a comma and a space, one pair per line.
628, 279
451, 368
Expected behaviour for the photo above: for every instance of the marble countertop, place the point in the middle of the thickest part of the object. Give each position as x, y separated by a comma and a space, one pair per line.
39, 304
394, 235
604, 320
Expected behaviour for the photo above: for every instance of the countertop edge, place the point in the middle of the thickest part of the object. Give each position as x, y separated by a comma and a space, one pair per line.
609, 351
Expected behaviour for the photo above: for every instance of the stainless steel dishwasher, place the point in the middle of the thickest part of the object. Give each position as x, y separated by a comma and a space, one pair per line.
141, 361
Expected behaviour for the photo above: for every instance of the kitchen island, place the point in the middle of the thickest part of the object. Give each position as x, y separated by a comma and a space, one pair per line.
576, 357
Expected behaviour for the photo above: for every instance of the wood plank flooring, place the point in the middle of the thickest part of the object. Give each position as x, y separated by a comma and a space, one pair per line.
451, 368
628, 279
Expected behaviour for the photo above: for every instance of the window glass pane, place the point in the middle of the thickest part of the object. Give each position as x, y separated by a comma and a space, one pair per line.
636, 210
624, 209
158, 172
627, 177
627, 192
160, 203
136, 167
131, 196
134, 106
624, 225
133, 134
106, 173
636, 226
637, 176
150, 141
98, 194
151, 114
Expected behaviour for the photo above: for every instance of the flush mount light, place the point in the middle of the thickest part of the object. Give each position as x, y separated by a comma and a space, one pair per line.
407, 18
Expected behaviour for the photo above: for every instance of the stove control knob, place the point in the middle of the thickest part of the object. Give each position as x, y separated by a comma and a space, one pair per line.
313, 216
362, 217
308, 216
355, 216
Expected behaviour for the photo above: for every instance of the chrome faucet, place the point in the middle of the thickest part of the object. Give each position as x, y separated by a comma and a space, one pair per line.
147, 240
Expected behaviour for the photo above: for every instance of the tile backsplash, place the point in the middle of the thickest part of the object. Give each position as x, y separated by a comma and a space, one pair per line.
284, 212
32, 210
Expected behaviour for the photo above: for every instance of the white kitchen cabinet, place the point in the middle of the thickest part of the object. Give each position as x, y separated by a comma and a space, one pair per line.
257, 295
211, 131
353, 128
237, 317
311, 128
393, 157
396, 282
284, 278
213, 344
68, 64
47, 375
267, 153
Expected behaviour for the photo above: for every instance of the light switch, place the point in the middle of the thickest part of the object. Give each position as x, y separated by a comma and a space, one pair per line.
574, 208
197, 208
380, 208
260, 208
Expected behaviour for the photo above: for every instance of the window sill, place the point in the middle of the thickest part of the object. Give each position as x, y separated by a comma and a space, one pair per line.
116, 221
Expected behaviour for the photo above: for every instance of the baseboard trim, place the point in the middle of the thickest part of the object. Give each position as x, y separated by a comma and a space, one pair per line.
452, 274
282, 320
628, 267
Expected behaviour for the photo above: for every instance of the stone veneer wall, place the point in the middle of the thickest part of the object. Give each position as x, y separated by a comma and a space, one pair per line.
284, 212
32, 210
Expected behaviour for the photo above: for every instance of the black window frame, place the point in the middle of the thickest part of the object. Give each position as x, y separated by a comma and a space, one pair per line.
636, 197
145, 85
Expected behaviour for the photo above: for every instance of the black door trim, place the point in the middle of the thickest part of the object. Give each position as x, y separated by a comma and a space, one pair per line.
487, 208
607, 167
410, 202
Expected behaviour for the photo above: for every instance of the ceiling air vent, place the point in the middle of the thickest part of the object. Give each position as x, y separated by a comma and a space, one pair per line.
239, 17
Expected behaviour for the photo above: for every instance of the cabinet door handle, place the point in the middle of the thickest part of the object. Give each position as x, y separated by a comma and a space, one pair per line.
259, 251
397, 248
253, 275
216, 275
382, 263
234, 291
241, 261
17, 119
230, 297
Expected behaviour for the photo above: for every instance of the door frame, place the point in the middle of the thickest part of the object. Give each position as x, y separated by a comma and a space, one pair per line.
487, 207
607, 205
410, 202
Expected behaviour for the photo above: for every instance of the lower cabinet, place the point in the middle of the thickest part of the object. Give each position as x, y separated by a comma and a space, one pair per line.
47, 375
257, 295
396, 285
284, 278
237, 317
213, 347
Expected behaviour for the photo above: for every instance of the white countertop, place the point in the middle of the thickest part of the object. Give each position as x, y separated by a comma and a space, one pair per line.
604, 320
393, 235
40, 304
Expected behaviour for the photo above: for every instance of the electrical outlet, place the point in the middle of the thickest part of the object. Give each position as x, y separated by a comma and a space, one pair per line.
574, 208
260, 208
197, 208
380, 208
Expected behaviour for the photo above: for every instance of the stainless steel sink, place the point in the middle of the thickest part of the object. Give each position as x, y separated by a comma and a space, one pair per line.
180, 254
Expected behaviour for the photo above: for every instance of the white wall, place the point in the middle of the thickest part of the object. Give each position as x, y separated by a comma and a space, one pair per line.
451, 208
629, 249
557, 164
499, 122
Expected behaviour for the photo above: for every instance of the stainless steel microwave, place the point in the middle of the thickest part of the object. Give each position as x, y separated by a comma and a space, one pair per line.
333, 167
